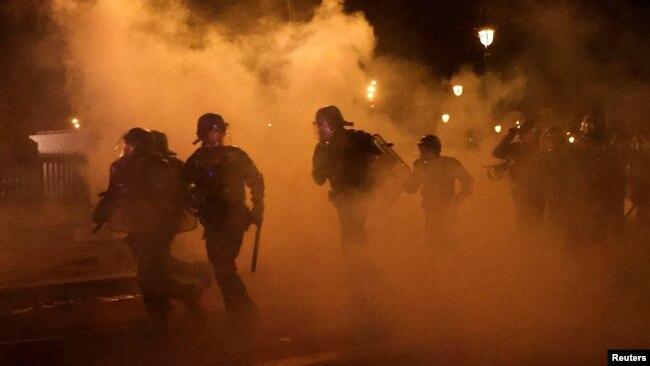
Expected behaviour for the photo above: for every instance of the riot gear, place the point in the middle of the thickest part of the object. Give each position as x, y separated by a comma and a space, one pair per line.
141, 140
161, 145
209, 122
431, 142
220, 175
140, 200
523, 171
435, 177
329, 120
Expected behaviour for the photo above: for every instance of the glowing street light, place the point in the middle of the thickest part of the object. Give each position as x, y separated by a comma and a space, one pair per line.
445, 118
372, 89
572, 139
497, 128
458, 90
75, 123
486, 35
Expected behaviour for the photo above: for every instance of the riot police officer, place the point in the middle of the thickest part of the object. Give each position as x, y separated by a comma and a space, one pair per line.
602, 187
435, 176
345, 158
140, 201
524, 154
348, 158
219, 174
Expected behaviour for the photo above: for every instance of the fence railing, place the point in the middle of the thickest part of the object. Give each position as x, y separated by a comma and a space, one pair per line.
54, 177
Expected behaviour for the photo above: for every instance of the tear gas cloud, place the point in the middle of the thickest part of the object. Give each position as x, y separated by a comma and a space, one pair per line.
160, 65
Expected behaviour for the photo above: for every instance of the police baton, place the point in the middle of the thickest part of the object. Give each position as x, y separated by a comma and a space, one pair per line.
256, 248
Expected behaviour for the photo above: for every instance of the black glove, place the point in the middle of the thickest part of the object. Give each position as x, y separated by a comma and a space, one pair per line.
257, 215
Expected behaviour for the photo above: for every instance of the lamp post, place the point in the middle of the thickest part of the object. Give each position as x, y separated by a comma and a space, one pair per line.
486, 36
372, 89
458, 90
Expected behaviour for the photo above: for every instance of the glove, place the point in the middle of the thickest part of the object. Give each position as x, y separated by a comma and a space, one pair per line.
257, 215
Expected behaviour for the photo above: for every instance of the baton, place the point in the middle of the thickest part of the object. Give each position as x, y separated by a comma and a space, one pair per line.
256, 248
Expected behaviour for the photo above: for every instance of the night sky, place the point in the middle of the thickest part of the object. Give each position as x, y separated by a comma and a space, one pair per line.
438, 34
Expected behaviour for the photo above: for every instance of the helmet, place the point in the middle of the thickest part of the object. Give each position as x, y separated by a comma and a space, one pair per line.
329, 119
142, 140
432, 142
210, 122
161, 146
331, 114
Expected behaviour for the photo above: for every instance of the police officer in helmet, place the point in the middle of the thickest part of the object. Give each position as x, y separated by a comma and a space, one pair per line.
435, 176
219, 174
140, 201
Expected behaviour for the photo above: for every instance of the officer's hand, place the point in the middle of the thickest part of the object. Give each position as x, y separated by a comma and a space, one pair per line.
257, 215
512, 131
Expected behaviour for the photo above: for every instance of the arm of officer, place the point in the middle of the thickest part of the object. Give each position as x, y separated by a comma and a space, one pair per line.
415, 179
466, 180
255, 182
320, 165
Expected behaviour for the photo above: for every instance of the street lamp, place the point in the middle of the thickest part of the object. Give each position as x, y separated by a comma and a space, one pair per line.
445, 118
75, 123
497, 128
486, 35
372, 88
458, 90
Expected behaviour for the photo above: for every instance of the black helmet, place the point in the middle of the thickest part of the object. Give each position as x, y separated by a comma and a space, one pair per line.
142, 140
432, 142
161, 145
209, 122
331, 114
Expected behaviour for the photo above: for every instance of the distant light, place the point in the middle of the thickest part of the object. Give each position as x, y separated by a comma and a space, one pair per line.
445, 118
269, 125
458, 90
76, 126
374, 82
497, 128
75, 121
486, 35
371, 96
372, 88
572, 139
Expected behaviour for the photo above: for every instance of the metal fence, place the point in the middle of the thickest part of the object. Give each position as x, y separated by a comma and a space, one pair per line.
53, 178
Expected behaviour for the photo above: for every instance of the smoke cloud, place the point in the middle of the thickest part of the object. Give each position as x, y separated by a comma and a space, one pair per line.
162, 64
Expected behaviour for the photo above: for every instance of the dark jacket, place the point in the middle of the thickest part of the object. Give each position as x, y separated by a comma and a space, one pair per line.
220, 174
346, 161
